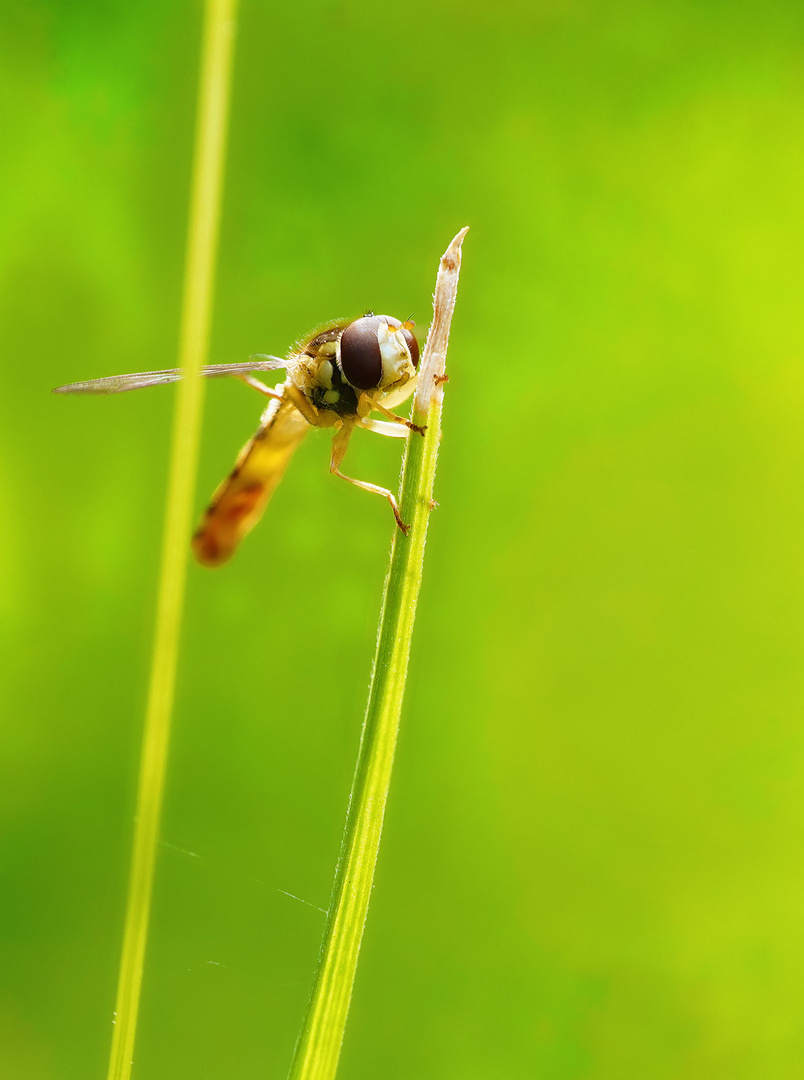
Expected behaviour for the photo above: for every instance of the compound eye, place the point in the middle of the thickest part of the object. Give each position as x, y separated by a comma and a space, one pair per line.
361, 360
413, 346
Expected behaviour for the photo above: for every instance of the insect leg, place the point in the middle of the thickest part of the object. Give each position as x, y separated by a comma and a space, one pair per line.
339, 444
382, 427
397, 419
302, 403
260, 387
402, 393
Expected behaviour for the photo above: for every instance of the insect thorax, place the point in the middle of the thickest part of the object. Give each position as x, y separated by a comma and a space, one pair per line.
320, 376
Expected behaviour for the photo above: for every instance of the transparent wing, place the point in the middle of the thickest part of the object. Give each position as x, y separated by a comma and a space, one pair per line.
118, 384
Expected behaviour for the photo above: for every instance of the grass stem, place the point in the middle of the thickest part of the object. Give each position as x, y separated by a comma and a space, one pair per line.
319, 1044
204, 216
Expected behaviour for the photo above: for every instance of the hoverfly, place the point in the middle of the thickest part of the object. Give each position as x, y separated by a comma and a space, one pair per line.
336, 377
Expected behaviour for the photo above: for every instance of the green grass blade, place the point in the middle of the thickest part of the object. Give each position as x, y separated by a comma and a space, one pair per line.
319, 1045
213, 109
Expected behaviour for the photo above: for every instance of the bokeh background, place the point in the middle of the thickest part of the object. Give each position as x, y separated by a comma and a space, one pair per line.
593, 859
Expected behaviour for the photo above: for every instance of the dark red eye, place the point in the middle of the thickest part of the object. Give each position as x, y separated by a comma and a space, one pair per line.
361, 360
412, 345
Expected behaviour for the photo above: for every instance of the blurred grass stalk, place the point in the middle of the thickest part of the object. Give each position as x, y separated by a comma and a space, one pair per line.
204, 216
319, 1045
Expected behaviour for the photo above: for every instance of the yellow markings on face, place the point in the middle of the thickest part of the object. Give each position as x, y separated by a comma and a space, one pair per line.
396, 364
325, 374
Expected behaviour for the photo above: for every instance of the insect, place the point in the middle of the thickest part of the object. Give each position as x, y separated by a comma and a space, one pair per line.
336, 377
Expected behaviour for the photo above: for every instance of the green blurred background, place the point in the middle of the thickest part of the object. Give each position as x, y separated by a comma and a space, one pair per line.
592, 866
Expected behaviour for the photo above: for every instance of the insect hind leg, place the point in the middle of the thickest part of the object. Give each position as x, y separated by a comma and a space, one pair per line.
339, 444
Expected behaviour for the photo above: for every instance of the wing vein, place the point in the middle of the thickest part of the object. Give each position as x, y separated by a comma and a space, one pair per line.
138, 380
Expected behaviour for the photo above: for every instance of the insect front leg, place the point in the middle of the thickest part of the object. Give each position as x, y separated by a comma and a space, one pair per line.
382, 427
339, 444
398, 419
